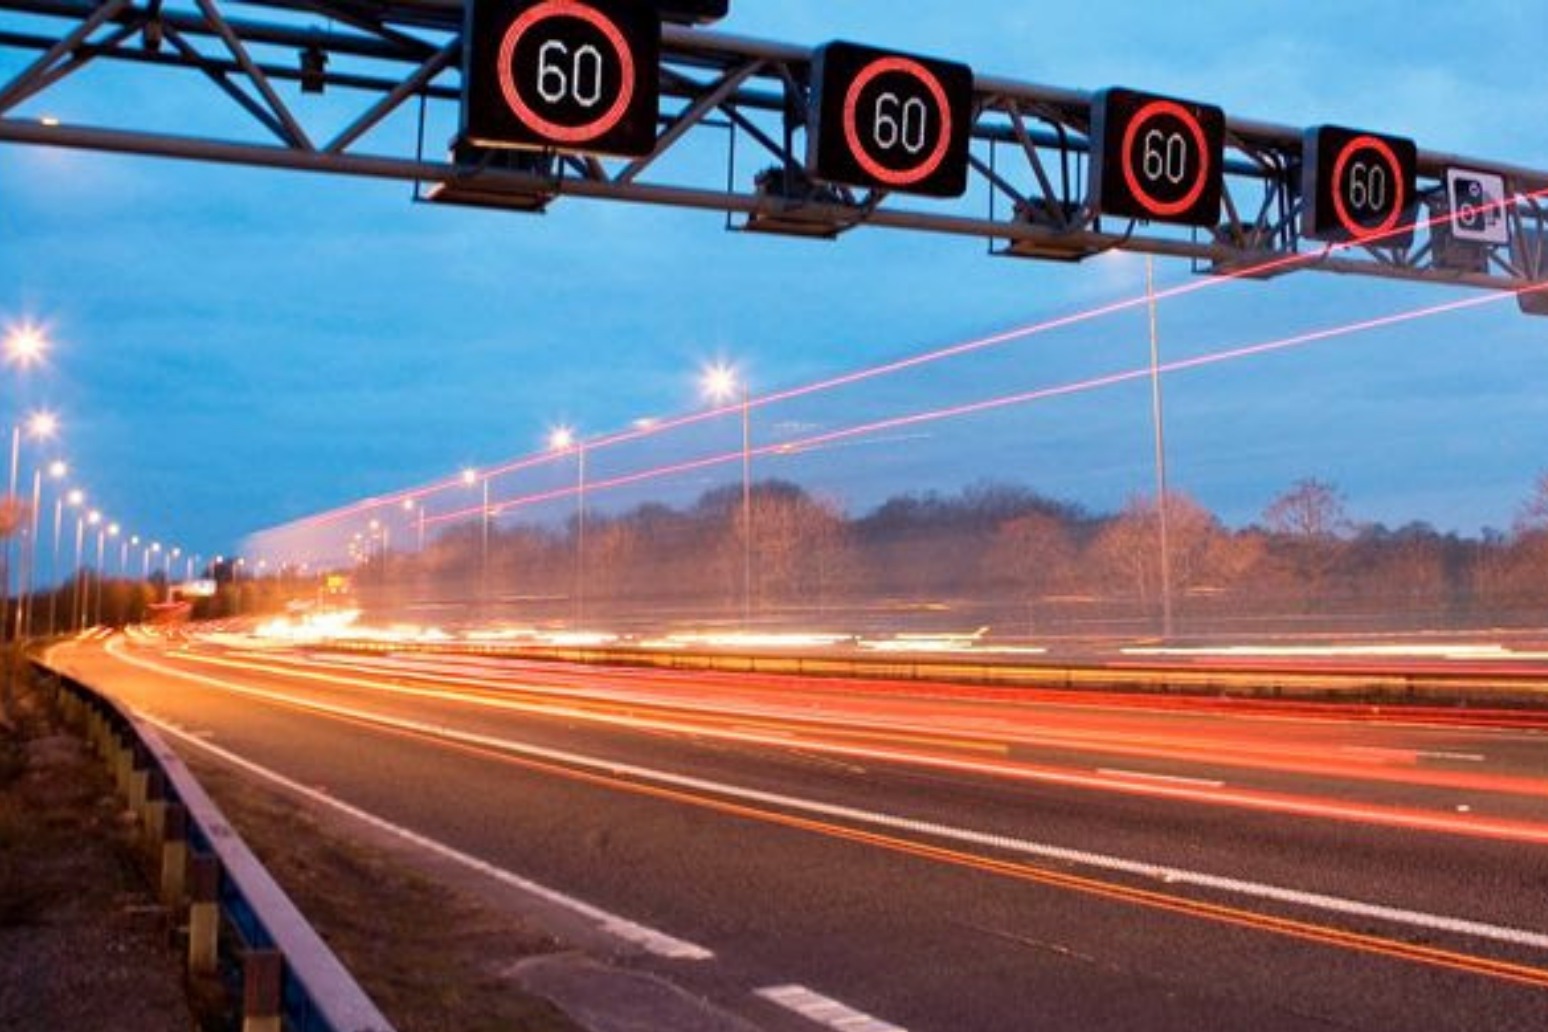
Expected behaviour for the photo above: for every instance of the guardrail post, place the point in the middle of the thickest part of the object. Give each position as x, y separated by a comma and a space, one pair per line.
155, 807
123, 761
139, 781
261, 971
203, 914
174, 856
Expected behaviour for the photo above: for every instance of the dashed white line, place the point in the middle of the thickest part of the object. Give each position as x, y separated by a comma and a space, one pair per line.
1170, 779
659, 943
824, 1010
1045, 851
1404, 754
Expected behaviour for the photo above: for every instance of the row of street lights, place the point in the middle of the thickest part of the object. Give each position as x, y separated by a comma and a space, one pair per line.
719, 384
25, 346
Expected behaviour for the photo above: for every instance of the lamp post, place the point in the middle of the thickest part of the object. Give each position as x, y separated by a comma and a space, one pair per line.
76, 498
56, 470
96, 603
113, 531
38, 426
77, 604
721, 385
561, 440
1158, 425
469, 478
410, 509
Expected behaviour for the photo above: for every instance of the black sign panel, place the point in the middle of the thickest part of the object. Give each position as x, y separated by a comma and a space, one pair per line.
576, 75
882, 119
1157, 158
692, 11
1358, 186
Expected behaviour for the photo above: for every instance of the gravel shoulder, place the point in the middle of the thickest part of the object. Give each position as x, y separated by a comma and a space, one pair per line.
83, 941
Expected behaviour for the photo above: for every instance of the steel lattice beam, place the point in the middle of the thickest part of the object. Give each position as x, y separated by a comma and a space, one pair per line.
1028, 195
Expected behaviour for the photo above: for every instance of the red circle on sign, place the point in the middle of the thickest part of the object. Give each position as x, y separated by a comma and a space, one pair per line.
873, 168
1147, 200
552, 130
1341, 210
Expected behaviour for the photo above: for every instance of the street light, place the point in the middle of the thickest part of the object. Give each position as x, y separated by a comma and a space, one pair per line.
38, 426
469, 478
561, 440
102, 535
76, 498
410, 507
56, 471
25, 344
721, 385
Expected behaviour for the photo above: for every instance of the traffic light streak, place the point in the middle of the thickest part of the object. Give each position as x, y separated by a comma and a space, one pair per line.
1279, 265
915, 419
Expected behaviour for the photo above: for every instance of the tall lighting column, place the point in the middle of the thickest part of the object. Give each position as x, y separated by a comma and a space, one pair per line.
721, 385
56, 471
469, 478
562, 440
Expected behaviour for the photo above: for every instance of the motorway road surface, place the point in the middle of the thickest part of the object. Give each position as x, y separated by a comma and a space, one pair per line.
870, 857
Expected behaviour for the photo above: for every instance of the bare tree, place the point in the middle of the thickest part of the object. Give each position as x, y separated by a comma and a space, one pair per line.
1311, 509
1534, 514
1038, 553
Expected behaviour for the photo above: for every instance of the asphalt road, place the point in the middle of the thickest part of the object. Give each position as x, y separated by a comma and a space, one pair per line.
870, 857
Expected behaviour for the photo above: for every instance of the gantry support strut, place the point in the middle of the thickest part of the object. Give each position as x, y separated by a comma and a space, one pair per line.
732, 96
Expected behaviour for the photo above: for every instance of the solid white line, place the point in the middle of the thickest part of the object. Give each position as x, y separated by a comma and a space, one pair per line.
1170, 779
659, 943
1170, 875
824, 1010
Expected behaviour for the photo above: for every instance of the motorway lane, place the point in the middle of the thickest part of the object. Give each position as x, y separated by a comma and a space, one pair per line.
1468, 770
924, 941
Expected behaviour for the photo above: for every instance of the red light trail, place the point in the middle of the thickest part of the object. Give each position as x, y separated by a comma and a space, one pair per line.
1286, 263
992, 404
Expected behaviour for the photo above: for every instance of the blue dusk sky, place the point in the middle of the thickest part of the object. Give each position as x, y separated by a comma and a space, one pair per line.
235, 348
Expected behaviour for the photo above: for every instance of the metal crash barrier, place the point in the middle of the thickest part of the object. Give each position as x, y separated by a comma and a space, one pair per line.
241, 926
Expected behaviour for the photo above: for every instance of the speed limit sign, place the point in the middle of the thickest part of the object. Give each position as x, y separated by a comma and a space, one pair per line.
1359, 186
890, 120
576, 75
1157, 158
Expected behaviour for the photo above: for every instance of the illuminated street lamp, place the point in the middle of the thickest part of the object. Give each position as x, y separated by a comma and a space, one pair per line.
25, 345
56, 471
38, 426
410, 506
77, 601
469, 478
103, 533
721, 385
76, 498
561, 440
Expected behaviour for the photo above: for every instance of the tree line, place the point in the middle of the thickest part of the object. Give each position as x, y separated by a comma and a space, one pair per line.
993, 555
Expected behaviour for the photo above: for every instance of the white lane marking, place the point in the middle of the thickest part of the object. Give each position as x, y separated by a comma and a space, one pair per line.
659, 943
1100, 861
824, 1011
1403, 754
1170, 779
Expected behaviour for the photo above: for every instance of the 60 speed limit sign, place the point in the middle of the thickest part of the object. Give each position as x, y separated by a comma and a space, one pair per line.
577, 75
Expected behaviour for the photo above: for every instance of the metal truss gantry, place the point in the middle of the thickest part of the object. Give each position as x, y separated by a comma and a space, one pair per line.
741, 101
